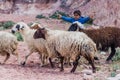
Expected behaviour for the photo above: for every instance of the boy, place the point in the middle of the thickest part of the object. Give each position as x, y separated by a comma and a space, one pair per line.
77, 18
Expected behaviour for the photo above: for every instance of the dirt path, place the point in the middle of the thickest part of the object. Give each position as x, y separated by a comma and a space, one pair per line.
15, 72
32, 71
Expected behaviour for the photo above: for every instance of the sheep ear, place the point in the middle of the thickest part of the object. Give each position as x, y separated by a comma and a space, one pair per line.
22, 28
44, 30
18, 27
39, 33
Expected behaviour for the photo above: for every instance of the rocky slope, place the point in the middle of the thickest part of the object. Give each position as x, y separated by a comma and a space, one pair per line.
106, 11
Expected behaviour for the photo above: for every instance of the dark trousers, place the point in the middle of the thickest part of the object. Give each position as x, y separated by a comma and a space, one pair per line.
73, 27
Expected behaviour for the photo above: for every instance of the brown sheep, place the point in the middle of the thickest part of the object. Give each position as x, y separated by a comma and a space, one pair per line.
107, 37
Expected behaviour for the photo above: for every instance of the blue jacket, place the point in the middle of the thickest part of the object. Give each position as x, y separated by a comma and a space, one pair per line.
82, 20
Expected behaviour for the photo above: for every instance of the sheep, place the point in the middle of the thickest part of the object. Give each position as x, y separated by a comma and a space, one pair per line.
37, 26
67, 60
37, 45
64, 44
106, 37
8, 45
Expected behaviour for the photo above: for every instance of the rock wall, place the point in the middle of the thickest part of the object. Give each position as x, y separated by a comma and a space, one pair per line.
106, 11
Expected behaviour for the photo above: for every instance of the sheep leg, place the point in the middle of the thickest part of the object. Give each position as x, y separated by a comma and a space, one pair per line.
7, 57
61, 61
75, 63
26, 57
17, 58
51, 63
43, 60
67, 61
16, 54
96, 58
46, 60
111, 54
91, 62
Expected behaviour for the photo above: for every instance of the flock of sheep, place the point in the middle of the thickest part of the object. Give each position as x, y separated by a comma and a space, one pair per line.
64, 45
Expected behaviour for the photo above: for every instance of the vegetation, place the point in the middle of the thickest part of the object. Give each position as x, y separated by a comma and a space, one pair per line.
117, 55
90, 21
19, 37
40, 16
55, 14
1, 23
1, 28
8, 24
115, 67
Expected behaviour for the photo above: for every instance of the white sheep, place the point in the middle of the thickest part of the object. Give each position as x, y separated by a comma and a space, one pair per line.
37, 45
37, 26
8, 45
64, 44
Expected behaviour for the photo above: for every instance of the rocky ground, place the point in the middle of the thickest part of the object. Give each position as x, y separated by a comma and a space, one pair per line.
32, 71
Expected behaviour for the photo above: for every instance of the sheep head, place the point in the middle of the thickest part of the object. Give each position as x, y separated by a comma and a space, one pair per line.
40, 33
18, 27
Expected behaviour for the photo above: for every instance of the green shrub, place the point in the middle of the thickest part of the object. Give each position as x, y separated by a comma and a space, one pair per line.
1, 28
117, 55
1, 23
90, 21
8, 24
55, 14
40, 16
115, 67
19, 37
113, 74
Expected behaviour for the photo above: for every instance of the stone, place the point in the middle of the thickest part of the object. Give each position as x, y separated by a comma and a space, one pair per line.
88, 77
87, 72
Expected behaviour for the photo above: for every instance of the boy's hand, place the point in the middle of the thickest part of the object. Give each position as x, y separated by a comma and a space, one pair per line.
59, 16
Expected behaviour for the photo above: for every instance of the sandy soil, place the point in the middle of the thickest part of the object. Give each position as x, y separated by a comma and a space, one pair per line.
32, 71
